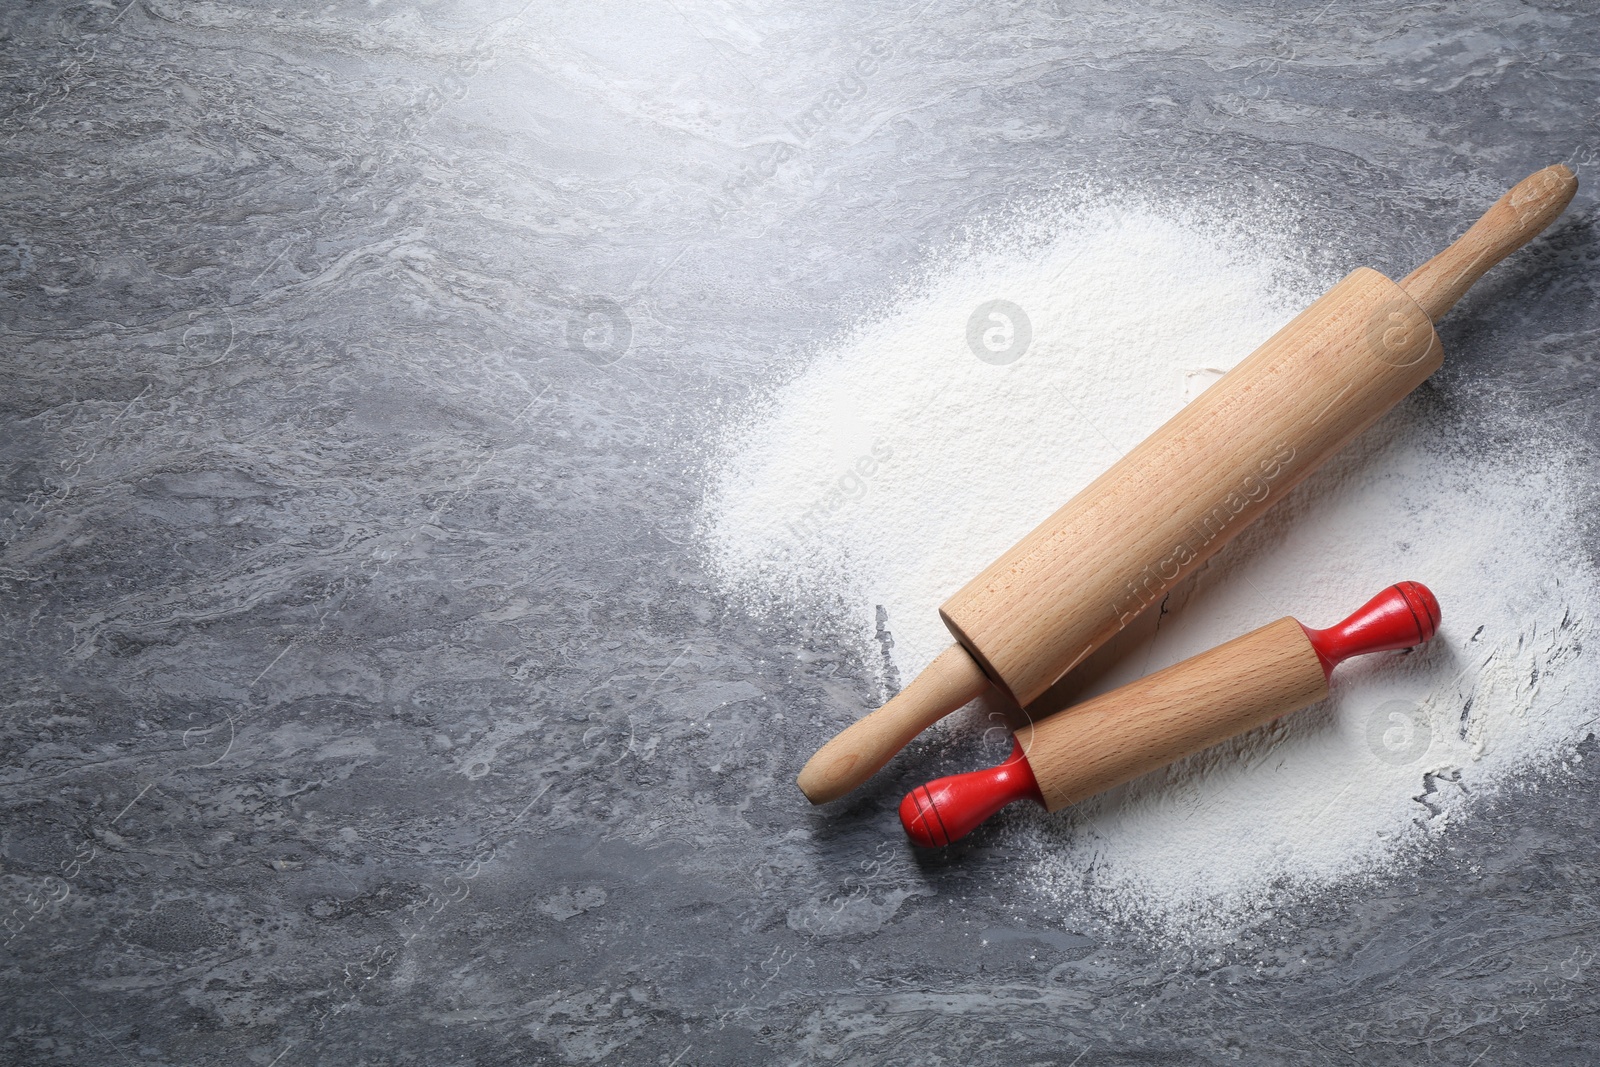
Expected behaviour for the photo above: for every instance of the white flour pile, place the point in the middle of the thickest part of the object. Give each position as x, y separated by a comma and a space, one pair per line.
899, 463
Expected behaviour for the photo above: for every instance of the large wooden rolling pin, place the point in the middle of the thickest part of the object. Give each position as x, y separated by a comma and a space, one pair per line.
1167, 715
1186, 490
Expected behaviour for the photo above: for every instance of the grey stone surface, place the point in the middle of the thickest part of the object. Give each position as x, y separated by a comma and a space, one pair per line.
364, 700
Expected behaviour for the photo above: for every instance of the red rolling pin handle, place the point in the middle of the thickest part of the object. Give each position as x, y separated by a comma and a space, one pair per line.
1402, 616
949, 808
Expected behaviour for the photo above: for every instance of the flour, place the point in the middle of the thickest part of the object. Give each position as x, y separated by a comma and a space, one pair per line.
905, 458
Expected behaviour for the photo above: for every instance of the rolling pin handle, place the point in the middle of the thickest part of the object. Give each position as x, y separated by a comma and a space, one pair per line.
947, 809
858, 751
1402, 616
1514, 220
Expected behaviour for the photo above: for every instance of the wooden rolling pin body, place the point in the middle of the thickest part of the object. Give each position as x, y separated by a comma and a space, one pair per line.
1190, 487
1165, 716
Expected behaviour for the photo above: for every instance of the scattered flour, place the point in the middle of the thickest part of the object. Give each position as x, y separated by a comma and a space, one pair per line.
904, 459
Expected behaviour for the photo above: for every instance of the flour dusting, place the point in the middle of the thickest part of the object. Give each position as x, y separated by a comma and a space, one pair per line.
902, 460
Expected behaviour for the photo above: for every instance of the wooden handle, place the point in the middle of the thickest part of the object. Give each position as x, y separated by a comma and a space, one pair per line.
1513, 221
1168, 715
858, 751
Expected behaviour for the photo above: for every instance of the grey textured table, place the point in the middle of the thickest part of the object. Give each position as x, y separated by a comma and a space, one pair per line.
364, 702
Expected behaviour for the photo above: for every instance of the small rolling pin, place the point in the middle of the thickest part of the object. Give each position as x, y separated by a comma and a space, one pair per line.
1165, 716
1166, 507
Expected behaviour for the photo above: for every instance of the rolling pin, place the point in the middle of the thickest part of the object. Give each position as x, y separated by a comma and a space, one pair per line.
1167, 506
1165, 716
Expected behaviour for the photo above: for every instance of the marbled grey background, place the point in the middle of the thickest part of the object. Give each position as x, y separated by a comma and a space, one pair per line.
364, 700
